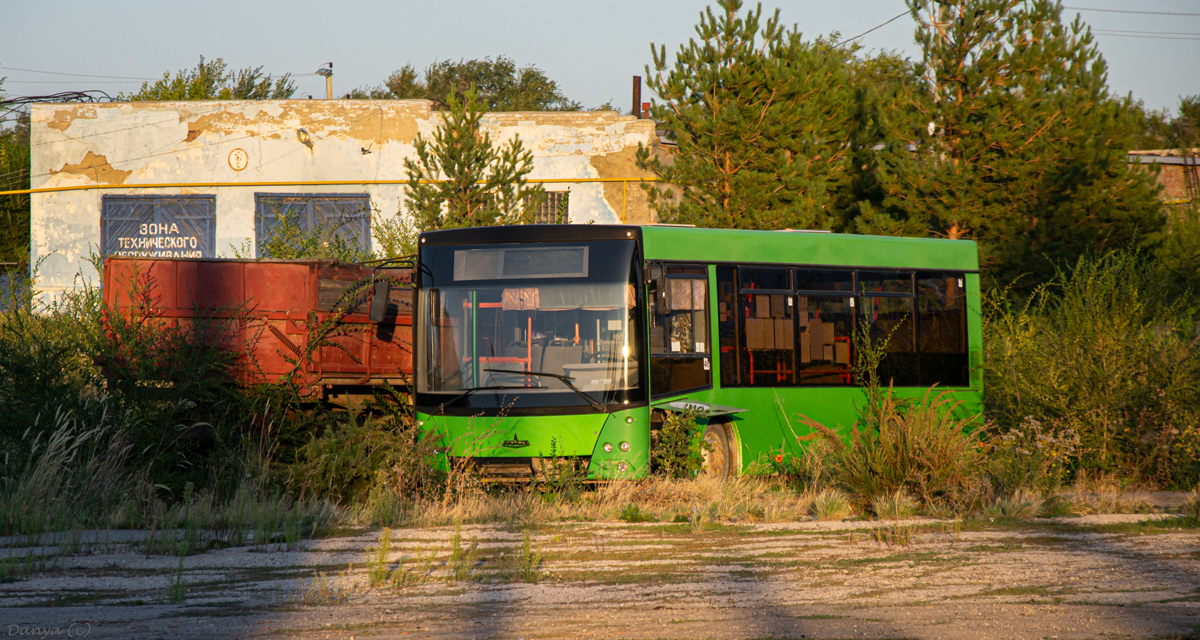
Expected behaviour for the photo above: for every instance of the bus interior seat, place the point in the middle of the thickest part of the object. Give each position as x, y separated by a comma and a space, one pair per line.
553, 358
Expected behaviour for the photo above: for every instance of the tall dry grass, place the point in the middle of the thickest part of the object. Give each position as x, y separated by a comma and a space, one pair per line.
80, 474
69, 472
745, 499
917, 446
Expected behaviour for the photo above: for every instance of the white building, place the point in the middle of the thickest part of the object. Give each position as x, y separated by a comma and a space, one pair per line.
201, 178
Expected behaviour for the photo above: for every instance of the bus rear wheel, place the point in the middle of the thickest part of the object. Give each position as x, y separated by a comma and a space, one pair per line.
718, 458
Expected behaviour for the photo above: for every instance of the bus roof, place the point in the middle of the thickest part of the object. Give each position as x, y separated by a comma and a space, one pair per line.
692, 244
797, 247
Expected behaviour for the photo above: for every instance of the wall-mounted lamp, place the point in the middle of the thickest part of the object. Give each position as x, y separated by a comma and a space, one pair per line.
304, 138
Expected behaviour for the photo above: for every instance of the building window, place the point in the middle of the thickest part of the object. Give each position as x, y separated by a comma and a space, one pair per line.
291, 220
554, 209
160, 227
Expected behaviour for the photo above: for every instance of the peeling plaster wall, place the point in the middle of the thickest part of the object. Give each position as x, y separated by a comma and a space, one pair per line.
367, 140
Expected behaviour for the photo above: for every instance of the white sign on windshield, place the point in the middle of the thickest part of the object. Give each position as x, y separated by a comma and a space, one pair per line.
531, 262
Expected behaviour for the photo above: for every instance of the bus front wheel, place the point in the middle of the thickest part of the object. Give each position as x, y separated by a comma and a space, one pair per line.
718, 457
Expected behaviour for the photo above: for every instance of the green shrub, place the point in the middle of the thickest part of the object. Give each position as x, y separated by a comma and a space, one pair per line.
1179, 253
633, 514
679, 450
45, 366
1105, 354
562, 478
378, 563
460, 567
181, 405
524, 565
293, 236
1030, 457
389, 457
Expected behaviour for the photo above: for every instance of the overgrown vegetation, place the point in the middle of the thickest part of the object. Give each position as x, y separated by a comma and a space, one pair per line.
112, 416
117, 434
1099, 371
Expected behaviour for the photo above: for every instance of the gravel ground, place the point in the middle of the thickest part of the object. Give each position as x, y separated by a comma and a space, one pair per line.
1108, 576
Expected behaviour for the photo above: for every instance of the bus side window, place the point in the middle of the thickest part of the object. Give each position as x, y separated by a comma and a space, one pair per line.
768, 355
825, 317
727, 326
942, 329
886, 308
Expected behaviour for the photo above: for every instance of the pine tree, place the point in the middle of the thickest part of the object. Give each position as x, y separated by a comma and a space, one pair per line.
1023, 147
480, 184
884, 122
761, 119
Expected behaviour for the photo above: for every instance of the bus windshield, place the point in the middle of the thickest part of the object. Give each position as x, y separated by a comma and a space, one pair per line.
532, 325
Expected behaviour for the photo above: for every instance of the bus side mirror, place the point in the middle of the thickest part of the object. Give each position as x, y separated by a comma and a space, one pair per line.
379, 301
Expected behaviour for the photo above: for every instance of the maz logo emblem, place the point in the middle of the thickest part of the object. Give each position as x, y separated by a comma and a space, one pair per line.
515, 443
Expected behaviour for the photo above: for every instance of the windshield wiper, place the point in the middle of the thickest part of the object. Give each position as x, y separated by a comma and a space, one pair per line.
467, 392
565, 380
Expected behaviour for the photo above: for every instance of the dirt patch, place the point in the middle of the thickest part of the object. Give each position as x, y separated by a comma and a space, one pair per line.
1064, 578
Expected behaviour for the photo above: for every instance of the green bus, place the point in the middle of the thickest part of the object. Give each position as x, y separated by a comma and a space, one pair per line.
542, 342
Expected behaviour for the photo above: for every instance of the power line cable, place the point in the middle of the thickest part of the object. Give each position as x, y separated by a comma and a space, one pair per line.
8, 80
1127, 35
1149, 37
1153, 33
880, 26
85, 75
78, 75
1148, 13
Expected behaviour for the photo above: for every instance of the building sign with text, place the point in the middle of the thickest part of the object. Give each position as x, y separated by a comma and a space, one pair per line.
158, 227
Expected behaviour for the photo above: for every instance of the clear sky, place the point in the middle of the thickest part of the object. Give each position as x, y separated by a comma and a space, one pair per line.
590, 48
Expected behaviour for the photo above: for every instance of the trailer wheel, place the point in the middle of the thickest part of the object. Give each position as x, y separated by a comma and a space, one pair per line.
718, 457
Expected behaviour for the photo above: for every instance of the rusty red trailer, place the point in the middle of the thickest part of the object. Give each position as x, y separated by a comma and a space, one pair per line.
307, 322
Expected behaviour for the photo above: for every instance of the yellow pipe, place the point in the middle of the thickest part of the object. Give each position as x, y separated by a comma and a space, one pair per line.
205, 185
624, 198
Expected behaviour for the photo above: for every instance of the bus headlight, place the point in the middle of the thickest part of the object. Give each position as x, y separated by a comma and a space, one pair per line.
607, 447
624, 446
